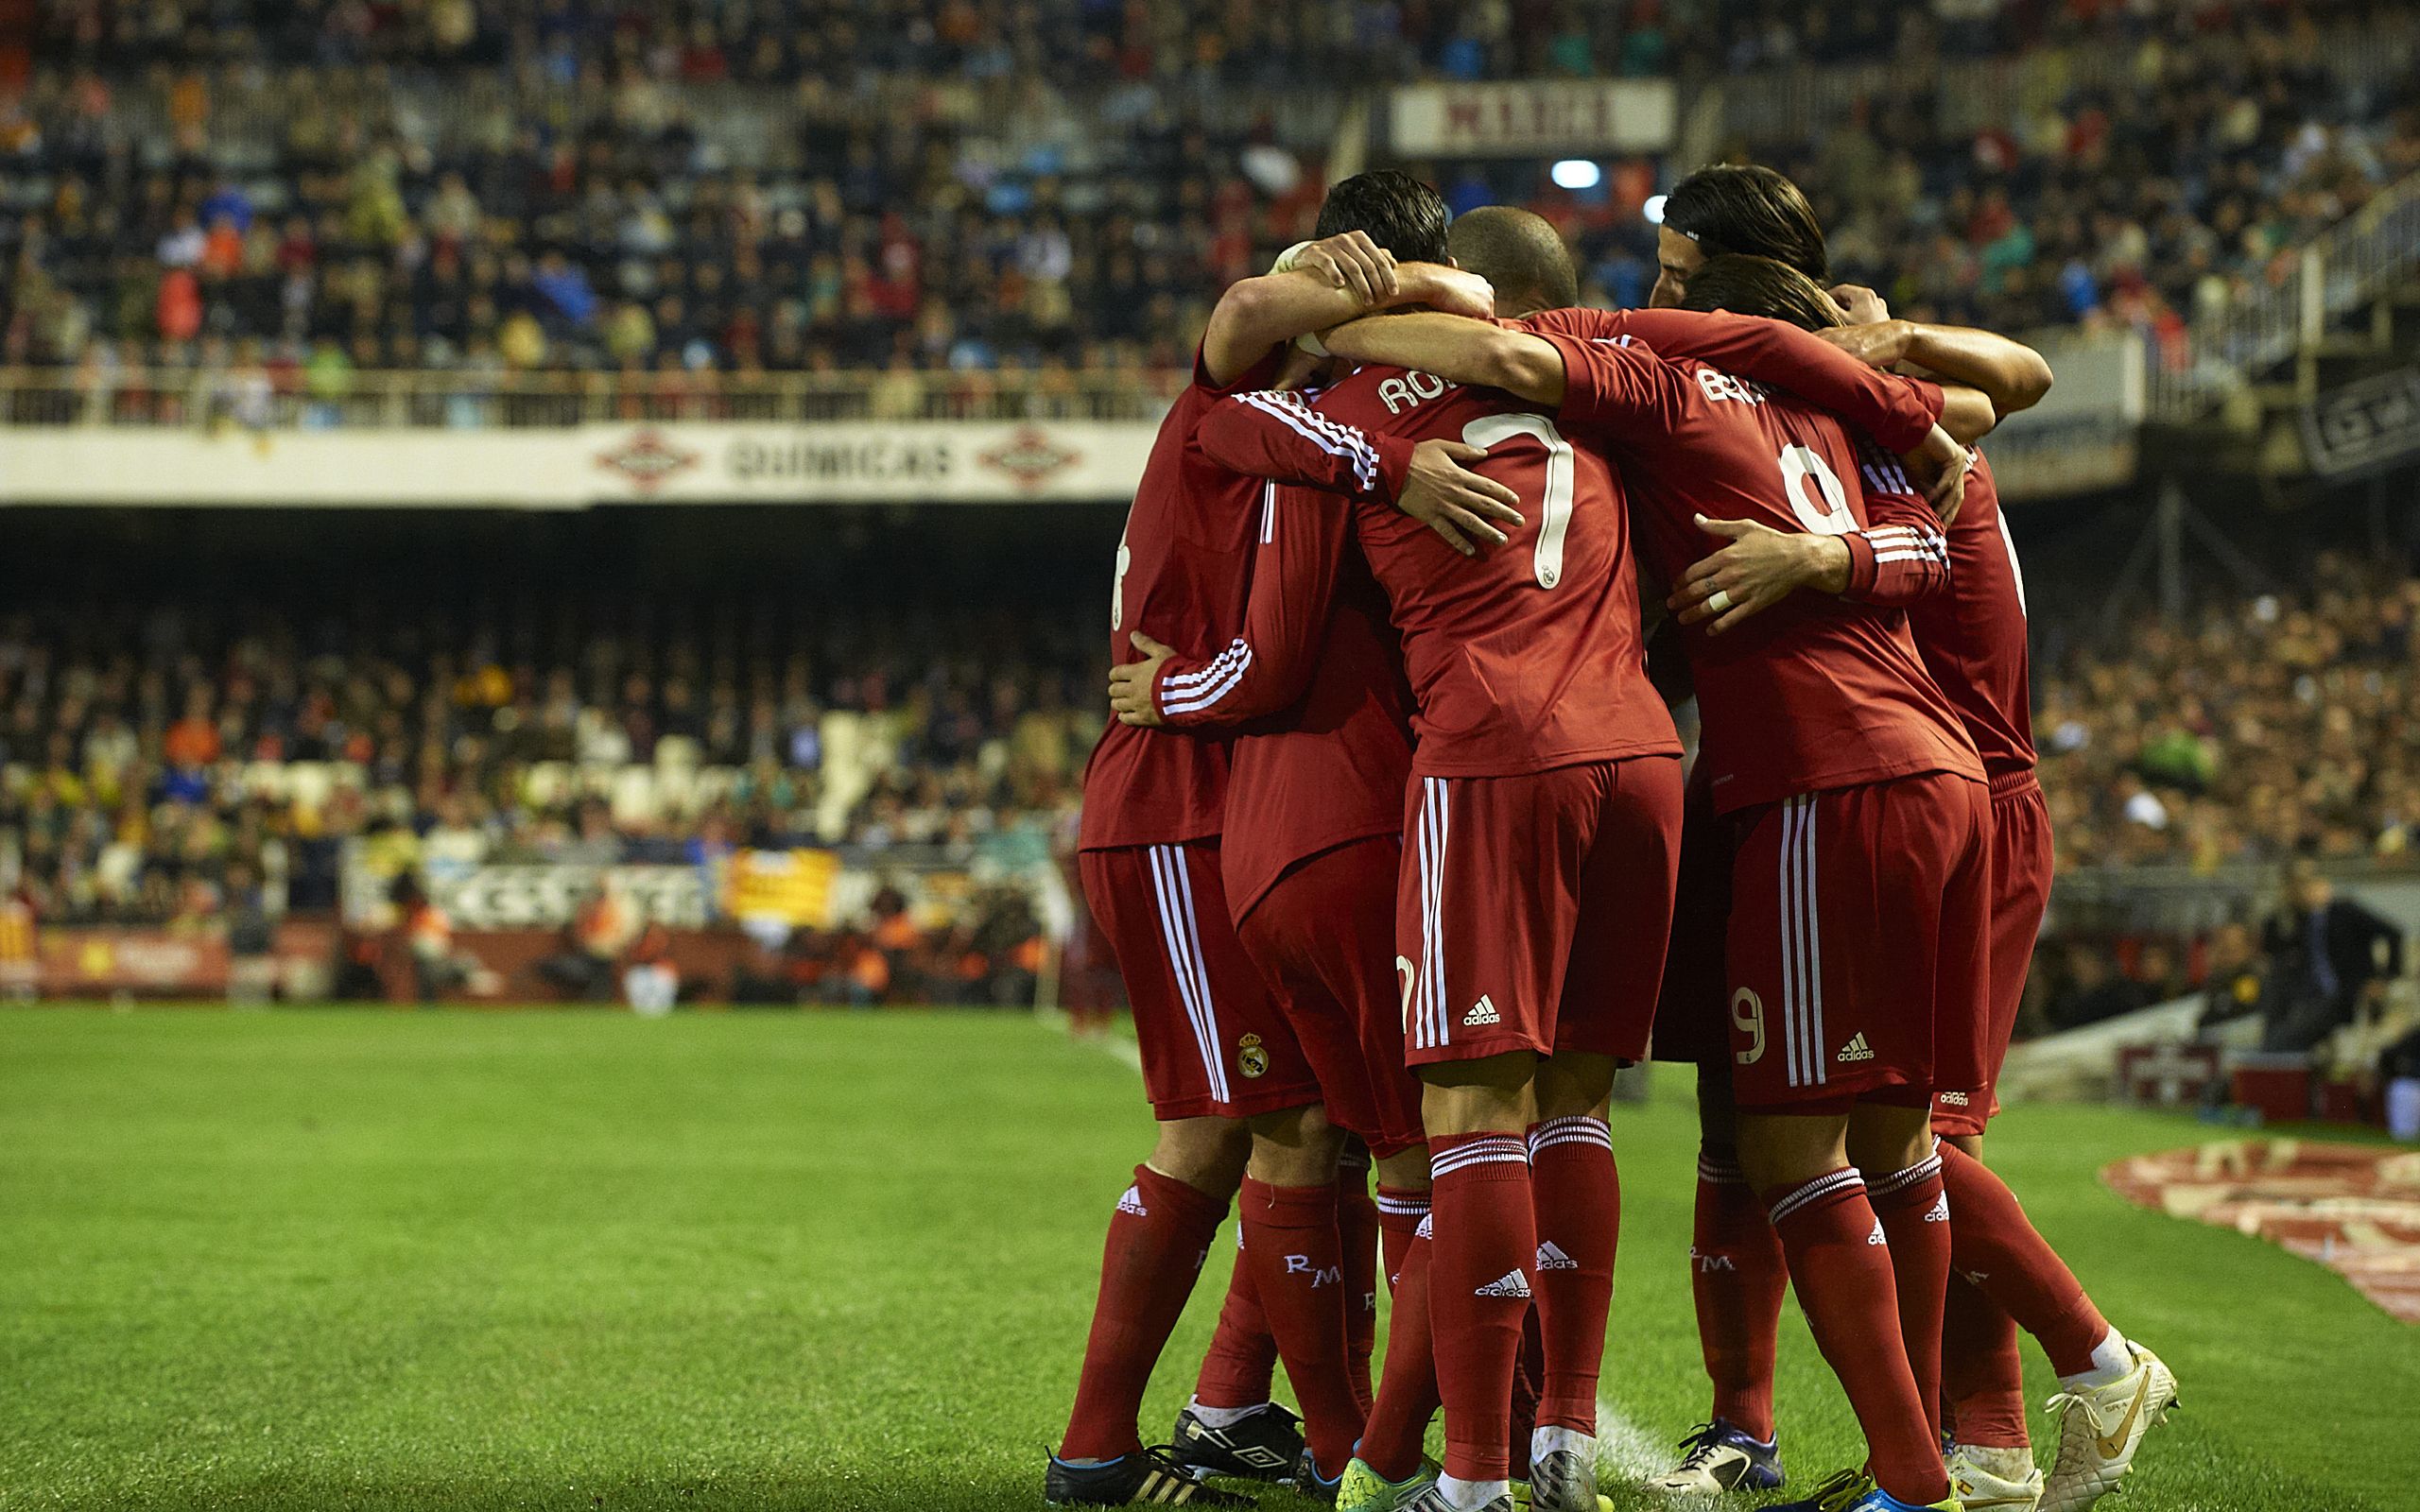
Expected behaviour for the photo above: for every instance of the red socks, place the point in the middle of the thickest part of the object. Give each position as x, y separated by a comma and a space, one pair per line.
1297, 1264
1243, 1358
1577, 1197
1737, 1278
1840, 1262
1916, 1220
2015, 1266
1982, 1379
1157, 1239
1356, 1230
1408, 1390
1484, 1244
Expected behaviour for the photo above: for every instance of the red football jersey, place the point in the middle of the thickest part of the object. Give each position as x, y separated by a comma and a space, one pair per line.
1973, 636
1816, 691
1894, 412
1184, 578
1529, 657
1324, 747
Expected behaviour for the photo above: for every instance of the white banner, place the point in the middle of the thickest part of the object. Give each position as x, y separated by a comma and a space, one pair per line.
549, 896
1589, 117
936, 461
2084, 435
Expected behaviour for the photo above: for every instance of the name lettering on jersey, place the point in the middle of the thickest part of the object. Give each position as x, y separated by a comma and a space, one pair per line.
1399, 394
1719, 387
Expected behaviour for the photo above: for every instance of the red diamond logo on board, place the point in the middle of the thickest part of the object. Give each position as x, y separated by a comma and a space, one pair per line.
1030, 457
646, 459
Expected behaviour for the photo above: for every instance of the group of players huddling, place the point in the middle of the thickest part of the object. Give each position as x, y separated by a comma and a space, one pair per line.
1392, 842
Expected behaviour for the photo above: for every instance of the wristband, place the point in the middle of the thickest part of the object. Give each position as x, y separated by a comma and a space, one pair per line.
1285, 263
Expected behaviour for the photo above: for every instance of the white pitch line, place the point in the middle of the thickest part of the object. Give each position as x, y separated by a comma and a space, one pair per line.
1116, 1046
1628, 1451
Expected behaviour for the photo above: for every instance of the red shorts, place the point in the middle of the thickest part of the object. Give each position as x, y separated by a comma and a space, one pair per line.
1858, 929
1534, 909
1323, 937
1690, 1025
2020, 893
1213, 1042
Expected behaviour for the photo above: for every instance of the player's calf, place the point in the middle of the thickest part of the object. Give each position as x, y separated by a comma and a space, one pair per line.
1484, 1247
1839, 1261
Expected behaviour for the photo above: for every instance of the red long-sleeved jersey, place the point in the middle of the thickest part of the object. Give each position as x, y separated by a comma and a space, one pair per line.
1973, 637
1184, 578
1322, 716
1816, 691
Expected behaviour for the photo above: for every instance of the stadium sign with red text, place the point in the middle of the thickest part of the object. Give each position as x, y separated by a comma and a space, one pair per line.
1591, 117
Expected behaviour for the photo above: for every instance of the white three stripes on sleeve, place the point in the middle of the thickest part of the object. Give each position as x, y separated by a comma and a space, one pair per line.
1190, 691
1336, 440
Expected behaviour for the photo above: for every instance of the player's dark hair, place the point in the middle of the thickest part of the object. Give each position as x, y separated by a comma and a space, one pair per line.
1522, 254
1760, 285
1735, 207
1397, 211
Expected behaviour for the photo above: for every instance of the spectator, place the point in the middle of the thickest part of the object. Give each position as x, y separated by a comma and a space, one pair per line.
2094, 989
2237, 983
2334, 957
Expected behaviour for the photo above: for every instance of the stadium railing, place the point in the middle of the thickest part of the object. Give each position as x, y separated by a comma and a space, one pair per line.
2345, 266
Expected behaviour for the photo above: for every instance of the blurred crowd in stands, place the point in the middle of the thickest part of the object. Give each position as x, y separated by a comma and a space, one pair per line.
288, 194
160, 772
202, 772
2266, 725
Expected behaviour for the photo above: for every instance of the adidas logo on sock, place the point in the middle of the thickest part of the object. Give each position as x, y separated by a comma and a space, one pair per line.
1512, 1284
1877, 1237
1857, 1049
1940, 1211
1132, 1203
1550, 1257
1484, 1011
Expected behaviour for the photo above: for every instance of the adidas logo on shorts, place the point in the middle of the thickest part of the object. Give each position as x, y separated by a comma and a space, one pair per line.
1857, 1049
1940, 1209
1132, 1203
1877, 1237
1512, 1284
1482, 1012
1550, 1257
1953, 1100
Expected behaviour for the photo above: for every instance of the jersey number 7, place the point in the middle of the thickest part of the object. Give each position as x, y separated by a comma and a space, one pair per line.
1555, 515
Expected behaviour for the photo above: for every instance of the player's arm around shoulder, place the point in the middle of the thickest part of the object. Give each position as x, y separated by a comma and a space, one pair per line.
1986, 377
1478, 354
1319, 285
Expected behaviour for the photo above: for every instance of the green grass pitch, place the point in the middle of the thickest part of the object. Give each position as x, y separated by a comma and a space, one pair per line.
320, 1260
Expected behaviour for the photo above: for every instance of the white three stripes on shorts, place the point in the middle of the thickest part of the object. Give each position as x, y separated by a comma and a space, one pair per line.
1430, 1019
1184, 937
1802, 950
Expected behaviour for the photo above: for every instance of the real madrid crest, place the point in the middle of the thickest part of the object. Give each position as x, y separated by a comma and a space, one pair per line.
1251, 1057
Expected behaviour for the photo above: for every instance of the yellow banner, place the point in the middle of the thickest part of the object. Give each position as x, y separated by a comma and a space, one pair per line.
794, 886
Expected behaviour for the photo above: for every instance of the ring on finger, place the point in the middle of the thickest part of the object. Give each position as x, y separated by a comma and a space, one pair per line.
1719, 600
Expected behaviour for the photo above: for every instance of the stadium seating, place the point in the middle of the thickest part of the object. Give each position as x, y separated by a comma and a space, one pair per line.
498, 190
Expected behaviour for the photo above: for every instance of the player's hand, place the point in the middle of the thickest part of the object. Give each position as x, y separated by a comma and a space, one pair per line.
1756, 568
1441, 492
1353, 260
1882, 344
1939, 462
1861, 304
1130, 685
1454, 291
